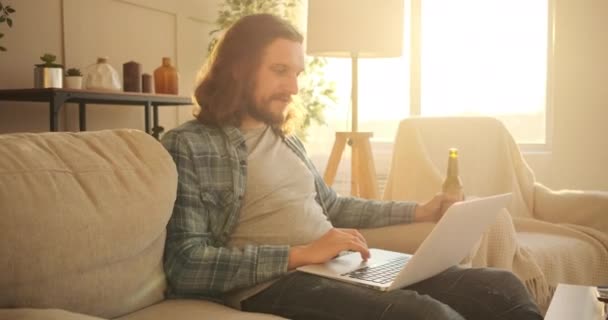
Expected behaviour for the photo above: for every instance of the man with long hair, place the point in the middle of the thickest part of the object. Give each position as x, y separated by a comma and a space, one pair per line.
251, 207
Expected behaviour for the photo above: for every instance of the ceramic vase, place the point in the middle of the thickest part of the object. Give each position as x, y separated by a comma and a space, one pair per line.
147, 83
102, 76
131, 74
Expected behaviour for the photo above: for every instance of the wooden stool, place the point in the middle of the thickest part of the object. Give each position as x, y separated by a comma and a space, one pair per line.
363, 171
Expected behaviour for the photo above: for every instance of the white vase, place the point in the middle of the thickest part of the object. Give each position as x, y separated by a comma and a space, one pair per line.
102, 76
73, 82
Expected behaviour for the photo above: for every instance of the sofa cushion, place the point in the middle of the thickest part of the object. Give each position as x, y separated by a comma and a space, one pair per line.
83, 220
43, 314
194, 310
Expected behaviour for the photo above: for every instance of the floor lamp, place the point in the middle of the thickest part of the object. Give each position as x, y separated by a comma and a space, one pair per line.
355, 29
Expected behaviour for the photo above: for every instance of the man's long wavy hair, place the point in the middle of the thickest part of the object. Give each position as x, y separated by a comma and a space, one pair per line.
227, 80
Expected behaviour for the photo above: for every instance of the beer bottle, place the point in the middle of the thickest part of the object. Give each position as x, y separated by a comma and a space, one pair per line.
452, 185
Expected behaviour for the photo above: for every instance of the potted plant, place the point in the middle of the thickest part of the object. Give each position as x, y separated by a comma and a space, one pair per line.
73, 78
48, 74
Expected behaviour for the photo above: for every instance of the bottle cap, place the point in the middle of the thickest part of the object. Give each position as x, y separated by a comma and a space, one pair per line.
453, 153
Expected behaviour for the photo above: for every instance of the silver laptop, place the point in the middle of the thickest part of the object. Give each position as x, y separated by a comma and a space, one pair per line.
447, 245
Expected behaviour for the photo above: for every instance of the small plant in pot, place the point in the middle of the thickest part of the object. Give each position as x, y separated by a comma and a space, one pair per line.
73, 78
48, 74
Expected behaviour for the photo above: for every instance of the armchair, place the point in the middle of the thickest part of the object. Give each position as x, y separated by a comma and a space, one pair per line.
545, 237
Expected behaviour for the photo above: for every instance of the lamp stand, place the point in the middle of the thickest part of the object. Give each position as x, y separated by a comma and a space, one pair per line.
363, 170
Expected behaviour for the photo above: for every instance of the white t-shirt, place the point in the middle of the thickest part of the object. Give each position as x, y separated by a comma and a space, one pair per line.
279, 206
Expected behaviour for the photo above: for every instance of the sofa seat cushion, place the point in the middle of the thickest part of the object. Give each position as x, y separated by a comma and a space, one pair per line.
43, 314
83, 220
193, 310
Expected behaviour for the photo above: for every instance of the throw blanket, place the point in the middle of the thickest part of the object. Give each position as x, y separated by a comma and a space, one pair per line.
544, 237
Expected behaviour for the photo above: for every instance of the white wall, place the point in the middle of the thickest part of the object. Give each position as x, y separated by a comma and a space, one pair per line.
580, 151
79, 31
36, 29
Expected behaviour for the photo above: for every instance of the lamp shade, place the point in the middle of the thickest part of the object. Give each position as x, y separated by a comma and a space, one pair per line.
365, 28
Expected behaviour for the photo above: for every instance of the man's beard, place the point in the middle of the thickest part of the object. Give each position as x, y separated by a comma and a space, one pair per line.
263, 112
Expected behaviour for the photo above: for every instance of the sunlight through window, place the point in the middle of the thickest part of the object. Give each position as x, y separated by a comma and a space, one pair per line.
487, 57
478, 57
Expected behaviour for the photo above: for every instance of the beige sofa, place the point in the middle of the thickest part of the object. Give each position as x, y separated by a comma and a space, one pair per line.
83, 220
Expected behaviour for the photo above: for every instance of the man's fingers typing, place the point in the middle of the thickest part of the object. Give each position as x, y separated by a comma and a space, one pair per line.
359, 247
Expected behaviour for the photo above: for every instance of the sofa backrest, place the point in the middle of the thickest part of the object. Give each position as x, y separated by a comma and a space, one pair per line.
82, 220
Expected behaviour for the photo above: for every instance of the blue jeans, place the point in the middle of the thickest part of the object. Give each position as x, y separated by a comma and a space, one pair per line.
456, 293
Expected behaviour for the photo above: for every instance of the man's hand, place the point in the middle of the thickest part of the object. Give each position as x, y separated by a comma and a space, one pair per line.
328, 246
434, 209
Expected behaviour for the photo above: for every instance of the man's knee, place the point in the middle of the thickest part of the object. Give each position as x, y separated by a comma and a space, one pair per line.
500, 278
510, 292
409, 304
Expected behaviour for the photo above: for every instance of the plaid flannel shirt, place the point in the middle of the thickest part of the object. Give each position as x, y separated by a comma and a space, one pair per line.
212, 172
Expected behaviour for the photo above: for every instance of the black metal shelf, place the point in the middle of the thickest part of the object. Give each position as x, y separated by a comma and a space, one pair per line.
56, 98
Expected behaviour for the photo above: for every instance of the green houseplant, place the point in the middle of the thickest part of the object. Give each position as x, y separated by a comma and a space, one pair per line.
316, 93
73, 72
49, 61
5, 13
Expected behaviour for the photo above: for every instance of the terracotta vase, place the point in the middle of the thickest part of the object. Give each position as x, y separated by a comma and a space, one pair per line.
166, 78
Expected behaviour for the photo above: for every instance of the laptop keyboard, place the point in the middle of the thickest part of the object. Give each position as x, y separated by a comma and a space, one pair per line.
381, 274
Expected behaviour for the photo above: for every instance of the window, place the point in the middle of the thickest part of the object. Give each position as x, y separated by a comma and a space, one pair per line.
477, 57
487, 57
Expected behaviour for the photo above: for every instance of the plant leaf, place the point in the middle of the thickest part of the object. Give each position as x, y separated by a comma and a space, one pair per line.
1, 35
9, 21
2, 48
2, 19
9, 9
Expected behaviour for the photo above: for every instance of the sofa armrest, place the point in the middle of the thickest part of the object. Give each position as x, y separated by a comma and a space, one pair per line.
583, 208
